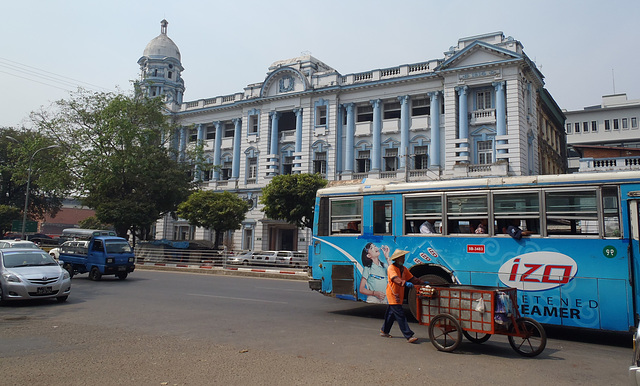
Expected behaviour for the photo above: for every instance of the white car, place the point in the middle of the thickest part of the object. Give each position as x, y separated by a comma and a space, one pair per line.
634, 369
31, 274
17, 243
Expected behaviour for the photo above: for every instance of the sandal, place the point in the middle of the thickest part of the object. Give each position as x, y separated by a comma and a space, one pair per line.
384, 334
413, 339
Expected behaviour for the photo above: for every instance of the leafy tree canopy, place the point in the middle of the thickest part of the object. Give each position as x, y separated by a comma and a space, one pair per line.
220, 211
21, 150
116, 149
7, 215
291, 198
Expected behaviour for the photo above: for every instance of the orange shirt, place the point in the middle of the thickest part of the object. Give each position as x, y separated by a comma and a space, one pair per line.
395, 292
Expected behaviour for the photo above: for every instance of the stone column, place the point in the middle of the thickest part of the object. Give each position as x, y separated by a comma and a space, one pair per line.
463, 119
275, 118
237, 140
405, 116
377, 133
501, 113
298, 147
217, 150
351, 132
435, 128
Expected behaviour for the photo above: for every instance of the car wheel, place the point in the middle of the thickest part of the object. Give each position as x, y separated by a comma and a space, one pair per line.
62, 299
122, 275
1, 296
69, 269
95, 274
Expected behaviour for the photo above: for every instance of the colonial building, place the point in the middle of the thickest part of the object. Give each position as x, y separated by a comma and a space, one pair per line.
594, 133
481, 110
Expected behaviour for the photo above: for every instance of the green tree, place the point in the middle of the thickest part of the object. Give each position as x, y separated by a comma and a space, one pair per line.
7, 215
220, 211
116, 149
50, 178
92, 222
291, 197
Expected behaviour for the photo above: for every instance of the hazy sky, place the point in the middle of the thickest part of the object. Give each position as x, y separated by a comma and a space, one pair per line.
585, 49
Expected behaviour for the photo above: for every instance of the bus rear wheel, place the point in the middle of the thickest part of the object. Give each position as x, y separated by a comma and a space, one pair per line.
429, 278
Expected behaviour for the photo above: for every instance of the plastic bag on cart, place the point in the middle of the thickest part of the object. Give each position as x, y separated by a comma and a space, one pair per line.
478, 305
504, 304
504, 308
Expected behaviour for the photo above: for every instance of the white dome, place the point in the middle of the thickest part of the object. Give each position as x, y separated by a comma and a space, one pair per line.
162, 46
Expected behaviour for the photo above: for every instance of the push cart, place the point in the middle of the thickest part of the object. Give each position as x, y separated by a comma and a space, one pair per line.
477, 312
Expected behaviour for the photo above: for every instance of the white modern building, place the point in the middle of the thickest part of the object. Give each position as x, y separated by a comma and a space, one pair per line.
481, 110
596, 133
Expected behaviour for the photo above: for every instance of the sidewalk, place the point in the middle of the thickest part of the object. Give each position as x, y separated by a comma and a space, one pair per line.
276, 273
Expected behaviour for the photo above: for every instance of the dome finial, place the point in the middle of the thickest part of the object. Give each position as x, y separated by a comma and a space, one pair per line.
163, 26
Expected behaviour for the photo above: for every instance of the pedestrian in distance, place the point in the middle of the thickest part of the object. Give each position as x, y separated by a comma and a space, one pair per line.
399, 278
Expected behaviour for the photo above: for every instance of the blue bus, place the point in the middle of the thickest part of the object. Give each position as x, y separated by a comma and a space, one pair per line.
572, 252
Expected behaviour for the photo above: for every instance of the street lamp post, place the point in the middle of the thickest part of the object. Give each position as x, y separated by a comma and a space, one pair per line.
26, 194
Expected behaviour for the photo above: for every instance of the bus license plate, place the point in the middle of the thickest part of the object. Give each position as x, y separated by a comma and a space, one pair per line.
44, 290
122, 268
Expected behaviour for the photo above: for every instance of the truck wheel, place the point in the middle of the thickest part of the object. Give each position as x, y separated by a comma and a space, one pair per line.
69, 269
95, 274
122, 275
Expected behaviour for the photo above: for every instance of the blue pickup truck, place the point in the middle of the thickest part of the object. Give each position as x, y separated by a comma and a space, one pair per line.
102, 254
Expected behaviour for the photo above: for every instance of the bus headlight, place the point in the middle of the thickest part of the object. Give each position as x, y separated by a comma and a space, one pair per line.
131, 259
110, 260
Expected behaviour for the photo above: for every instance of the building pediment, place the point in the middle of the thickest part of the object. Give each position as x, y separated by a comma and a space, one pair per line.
285, 80
479, 54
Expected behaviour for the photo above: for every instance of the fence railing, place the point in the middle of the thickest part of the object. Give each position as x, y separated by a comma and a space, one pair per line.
200, 258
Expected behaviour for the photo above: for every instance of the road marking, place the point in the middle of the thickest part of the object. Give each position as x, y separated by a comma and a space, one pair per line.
232, 298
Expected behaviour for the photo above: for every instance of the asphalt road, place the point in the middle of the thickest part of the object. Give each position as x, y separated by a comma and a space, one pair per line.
168, 328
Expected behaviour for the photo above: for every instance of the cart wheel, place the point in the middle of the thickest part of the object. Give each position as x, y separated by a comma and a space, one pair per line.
476, 337
531, 340
445, 332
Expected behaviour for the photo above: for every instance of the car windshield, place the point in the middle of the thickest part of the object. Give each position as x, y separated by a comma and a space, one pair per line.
27, 259
118, 247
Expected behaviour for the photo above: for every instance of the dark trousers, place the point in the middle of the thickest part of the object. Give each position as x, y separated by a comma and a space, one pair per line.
395, 312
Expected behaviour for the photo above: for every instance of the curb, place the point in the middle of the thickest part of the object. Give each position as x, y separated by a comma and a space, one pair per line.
229, 271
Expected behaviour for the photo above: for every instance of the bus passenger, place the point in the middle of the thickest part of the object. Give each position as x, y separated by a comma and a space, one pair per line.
374, 275
482, 226
514, 230
427, 226
398, 278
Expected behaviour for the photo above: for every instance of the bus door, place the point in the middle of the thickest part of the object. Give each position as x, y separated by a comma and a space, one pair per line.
382, 215
634, 255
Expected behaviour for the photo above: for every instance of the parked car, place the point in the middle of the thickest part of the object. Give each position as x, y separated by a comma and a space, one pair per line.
18, 244
291, 258
281, 258
245, 258
31, 274
634, 369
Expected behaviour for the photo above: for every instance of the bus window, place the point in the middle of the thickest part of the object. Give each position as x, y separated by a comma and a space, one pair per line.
611, 209
465, 212
572, 212
382, 217
323, 217
419, 210
343, 212
516, 205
